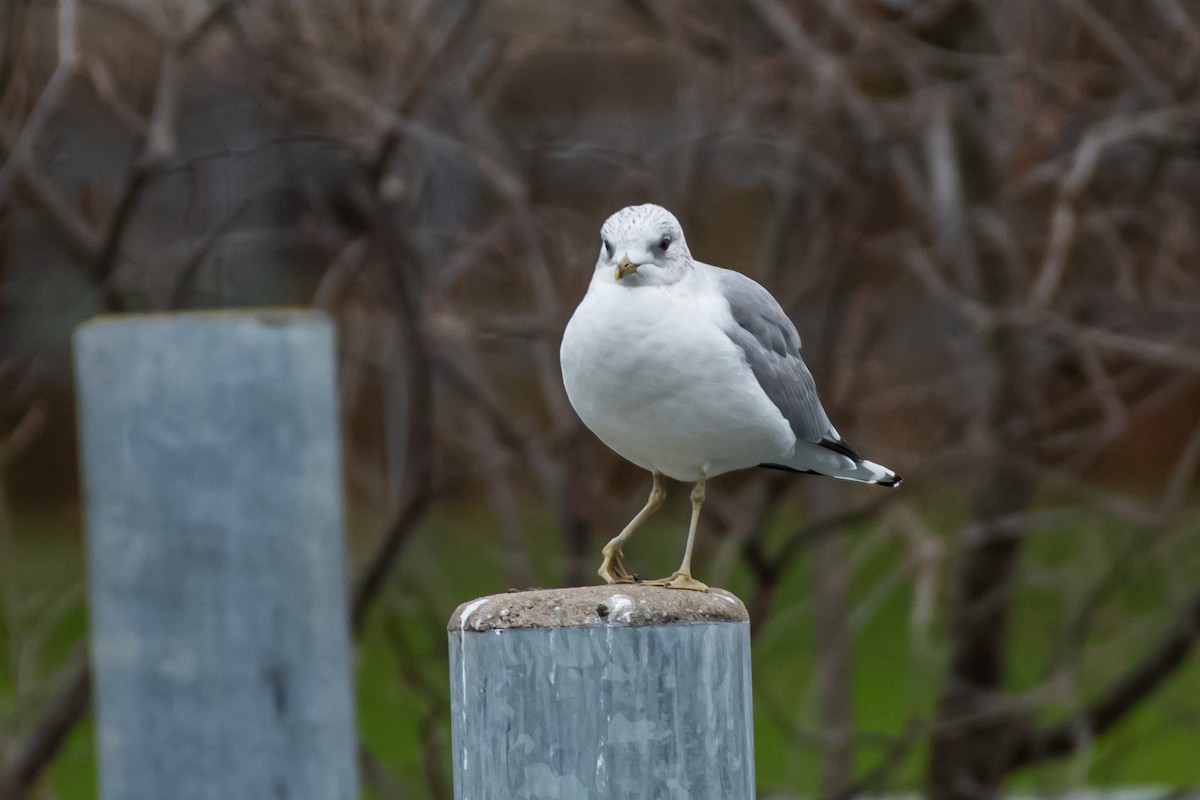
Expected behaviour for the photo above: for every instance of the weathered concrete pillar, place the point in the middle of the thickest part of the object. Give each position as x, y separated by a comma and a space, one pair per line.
212, 477
602, 693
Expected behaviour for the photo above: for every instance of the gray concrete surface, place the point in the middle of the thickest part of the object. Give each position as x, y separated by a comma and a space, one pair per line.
613, 692
212, 476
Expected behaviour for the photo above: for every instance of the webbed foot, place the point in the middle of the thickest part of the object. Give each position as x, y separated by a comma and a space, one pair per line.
679, 580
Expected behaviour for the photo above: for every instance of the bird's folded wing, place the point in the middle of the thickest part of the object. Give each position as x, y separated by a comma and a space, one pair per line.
772, 347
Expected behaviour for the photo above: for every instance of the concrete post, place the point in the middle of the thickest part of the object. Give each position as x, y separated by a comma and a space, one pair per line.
602, 693
212, 478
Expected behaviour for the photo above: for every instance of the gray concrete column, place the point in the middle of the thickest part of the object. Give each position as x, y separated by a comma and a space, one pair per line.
212, 479
602, 693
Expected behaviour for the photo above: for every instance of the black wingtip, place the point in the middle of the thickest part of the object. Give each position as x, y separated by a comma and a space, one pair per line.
782, 468
841, 448
892, 483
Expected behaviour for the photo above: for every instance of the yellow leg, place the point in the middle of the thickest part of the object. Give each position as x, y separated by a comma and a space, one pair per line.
682, 577
611, 569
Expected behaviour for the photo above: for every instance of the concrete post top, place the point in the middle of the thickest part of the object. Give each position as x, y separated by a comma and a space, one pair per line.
625, 605
270, 316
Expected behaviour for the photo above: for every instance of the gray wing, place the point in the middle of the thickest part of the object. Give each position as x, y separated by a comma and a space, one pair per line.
772, 347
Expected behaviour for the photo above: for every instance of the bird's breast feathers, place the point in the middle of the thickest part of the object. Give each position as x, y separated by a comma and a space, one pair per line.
651, 371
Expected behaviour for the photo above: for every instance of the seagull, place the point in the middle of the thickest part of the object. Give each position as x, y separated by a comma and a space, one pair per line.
690, 371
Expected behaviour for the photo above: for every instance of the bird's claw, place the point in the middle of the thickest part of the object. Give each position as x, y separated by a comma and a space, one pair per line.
679, 580
612, 570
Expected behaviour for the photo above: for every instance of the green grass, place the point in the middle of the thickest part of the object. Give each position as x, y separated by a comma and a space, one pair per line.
42, 622
401, 677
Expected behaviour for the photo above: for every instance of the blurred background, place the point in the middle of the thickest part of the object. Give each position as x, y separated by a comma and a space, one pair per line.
983, 215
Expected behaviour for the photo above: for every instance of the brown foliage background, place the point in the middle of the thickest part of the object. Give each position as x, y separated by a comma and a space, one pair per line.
983, 216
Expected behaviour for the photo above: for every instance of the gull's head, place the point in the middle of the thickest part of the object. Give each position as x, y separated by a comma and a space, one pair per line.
642, 246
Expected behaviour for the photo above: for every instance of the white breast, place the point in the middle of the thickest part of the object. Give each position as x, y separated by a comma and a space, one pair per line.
651, 372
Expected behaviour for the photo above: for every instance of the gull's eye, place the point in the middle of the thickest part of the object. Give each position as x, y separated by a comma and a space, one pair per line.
608, 251
664, 243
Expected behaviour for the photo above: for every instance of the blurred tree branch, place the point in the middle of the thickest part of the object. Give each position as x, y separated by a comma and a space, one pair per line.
50, 97
401, 263
45, 739
1083, 727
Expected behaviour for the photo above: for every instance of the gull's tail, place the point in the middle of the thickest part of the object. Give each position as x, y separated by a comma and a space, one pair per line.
836, 460
868, 472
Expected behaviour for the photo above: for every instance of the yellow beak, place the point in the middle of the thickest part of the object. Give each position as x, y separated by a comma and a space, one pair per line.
626, 267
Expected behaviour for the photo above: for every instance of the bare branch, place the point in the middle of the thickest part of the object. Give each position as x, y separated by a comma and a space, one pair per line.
79, 237
391, 135
51, 96
948, 214
919, 264
1153, 351
1103, 30
1085, 725
1171, 123
45, 739
22, 435
217, 13
416, 493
